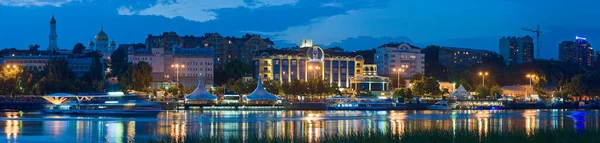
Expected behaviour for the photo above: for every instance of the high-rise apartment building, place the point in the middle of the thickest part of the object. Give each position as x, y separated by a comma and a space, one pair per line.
579, 52
516, 50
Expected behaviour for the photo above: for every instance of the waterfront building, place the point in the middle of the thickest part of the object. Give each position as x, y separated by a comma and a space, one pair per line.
461, 57
101, 44
260, 95
225, 49
169, 66
52, 37
399, 57
579, 52
524, 91
447, 86
370, 82
306, 62
516, 50
200, 95
78, 65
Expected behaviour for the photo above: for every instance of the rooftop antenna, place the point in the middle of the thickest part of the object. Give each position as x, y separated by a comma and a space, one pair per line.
537, 32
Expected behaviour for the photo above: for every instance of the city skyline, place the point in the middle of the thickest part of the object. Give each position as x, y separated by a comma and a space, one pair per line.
286, 22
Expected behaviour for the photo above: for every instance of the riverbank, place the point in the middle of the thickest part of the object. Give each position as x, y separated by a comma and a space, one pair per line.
425, 136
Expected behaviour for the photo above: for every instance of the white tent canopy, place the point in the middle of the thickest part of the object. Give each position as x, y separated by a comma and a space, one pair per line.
200, 93
260, 94
461, 93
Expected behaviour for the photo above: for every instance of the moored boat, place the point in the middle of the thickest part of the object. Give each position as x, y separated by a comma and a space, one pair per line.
440, 105
383, 105
111, 103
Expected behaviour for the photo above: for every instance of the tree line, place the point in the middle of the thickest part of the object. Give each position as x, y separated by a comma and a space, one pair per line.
57, 76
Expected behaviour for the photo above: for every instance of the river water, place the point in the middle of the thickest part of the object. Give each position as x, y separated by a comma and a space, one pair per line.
38, 127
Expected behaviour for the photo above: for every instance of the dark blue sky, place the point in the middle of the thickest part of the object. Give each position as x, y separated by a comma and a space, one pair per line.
356, 24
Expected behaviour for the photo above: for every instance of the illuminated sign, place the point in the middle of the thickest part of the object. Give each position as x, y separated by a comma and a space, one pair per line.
580, 38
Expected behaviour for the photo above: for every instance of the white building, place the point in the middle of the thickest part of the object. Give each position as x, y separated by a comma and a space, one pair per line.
79, 66
101, 44
399, 57
179, 64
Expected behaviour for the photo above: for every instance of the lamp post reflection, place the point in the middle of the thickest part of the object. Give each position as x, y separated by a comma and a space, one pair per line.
13, 127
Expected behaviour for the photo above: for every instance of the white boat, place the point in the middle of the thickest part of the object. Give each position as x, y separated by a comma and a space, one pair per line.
112, 103
380, 105
440, 105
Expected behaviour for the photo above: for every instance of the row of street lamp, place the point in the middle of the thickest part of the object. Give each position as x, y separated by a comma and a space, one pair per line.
483, 74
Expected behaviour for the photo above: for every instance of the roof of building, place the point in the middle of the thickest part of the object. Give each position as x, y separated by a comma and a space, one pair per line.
465, 49
304, 51
394, 44
101, 36
461, 93
200, 93
53, 21
260, 94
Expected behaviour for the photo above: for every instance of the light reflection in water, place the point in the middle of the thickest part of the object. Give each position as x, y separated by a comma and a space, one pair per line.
530, 121
114, 132
131, 131
294, 124
13, 127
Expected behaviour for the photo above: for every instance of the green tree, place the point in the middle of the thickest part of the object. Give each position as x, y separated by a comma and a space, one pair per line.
78, 48
34, 48
244, 87
425, 86
235, 69
482, 91
272, 86
118, 62
58, 77
137, 77
9, 79
94, 76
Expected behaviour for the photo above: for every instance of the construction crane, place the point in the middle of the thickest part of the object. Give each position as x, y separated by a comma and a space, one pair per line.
537, 32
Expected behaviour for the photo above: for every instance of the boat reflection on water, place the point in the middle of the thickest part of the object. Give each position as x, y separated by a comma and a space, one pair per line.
293, 124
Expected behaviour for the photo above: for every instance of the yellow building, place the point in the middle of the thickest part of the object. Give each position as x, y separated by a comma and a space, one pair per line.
333, 65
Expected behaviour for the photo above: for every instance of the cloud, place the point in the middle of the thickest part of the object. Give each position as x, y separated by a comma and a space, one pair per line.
196, 10
30, 3
333, 4
124, 10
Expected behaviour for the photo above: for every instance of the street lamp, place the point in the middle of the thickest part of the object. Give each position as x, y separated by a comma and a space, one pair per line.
531, 76
483, 75
177, 66
398, 71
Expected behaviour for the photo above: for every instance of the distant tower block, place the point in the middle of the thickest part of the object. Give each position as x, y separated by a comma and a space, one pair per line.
306, 43
52, 46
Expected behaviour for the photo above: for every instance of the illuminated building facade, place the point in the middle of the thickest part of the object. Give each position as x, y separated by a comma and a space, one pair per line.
579, 52
185, 65
78, 65
101, 45
392, 57
370, 82
284, 65
461, 57
225, 48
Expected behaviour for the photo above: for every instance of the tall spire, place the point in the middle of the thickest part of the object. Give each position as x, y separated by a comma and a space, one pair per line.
52, 37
